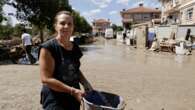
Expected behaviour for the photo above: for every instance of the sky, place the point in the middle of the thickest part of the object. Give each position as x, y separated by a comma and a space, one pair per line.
108, 9
96, 9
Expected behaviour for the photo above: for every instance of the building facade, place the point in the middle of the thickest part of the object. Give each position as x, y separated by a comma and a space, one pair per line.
100, 25
187, 10
138, 15
178, 11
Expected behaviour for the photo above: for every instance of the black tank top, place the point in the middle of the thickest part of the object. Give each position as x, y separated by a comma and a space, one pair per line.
66, 70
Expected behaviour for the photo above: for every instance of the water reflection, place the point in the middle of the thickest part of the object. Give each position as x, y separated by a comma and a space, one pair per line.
179, 58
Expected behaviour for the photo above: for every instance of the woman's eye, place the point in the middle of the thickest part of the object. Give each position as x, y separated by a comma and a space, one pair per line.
62, 23
70, 24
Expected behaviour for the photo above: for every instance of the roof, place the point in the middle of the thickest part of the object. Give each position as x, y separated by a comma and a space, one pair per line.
101, 21
142, 9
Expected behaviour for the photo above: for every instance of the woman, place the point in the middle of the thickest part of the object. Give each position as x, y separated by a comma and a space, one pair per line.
59, 68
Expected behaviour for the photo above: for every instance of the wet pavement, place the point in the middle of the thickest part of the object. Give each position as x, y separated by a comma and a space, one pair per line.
146, 80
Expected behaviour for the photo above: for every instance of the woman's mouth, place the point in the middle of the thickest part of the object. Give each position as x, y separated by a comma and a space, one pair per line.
65, 31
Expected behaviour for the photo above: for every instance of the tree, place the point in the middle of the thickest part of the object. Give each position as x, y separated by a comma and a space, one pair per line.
81, 25
5, 31
39, 12
119, 28
2, 2
18, 30
116, 28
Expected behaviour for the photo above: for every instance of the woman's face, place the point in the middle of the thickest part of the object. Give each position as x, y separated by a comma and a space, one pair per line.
64, 25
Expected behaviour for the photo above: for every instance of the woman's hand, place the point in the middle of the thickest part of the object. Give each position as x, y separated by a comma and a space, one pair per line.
78, 94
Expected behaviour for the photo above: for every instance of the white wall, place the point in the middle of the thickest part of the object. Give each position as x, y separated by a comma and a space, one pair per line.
182, 30
163, 32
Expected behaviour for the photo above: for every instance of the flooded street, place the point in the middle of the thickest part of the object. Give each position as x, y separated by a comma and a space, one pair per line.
146, 80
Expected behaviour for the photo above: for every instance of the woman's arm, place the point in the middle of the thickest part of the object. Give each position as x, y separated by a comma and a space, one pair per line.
47, 70
87, 86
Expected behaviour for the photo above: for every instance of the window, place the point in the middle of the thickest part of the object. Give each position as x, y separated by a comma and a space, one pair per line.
138, 16
130, 16
189, 14
146, 16
156, 16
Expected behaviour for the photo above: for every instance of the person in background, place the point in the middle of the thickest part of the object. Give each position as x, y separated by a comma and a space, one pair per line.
155, 44
27, 45
59, 60
188, 34
188, 41
150, 39
124, 36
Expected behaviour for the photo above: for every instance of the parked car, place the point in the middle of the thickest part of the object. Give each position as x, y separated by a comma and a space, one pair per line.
109, 33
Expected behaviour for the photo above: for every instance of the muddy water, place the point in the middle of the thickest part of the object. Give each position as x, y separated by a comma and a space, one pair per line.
147, 80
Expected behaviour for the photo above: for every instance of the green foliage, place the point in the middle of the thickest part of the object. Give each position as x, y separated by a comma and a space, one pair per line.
18, 30
119, 28
35, 30
80, 23
41, 13
1, 18
116, 28
5, 31
2, 2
